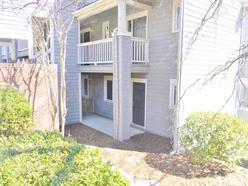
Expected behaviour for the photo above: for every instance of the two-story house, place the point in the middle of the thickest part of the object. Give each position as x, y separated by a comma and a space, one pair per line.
131, 63
142, 65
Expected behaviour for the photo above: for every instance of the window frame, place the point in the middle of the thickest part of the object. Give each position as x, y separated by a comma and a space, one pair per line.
82, 32
172, 96
175, 16
139, 80
107, 78
88, 87
134, 16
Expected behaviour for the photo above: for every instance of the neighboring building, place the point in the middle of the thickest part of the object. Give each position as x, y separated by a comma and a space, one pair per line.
131, 63
16, 33
12, 49
16, 39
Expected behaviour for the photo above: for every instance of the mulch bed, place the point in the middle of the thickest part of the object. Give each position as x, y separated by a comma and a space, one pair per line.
153, 159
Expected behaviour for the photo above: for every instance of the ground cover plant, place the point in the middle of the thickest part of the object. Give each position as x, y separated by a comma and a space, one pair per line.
16, 115
48, 159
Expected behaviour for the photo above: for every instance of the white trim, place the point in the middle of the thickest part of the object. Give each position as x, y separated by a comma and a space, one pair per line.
131, 17
107, 78
139, 80
80, 97
94, 8
95, 42
137, 15
86, 77
22, 50
103, 5
88, 29
173, 85
175, 6
139, 5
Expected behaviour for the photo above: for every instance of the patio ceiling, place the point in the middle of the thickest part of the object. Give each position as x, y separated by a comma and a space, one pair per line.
103, 5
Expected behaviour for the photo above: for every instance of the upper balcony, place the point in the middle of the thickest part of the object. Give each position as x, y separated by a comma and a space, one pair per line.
97, 23
101, 51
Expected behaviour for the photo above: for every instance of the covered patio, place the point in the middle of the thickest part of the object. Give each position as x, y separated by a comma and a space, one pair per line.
99, 123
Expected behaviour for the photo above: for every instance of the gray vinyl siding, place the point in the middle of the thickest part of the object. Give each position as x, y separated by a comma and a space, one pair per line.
216, 42
95, 23
72, 74
162, 67
72, 77
96, 87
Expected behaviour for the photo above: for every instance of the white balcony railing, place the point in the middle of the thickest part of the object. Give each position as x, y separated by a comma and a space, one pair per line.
96, 52
140, 50
101, 51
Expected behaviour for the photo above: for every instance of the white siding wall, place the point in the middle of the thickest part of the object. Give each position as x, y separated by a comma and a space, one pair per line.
243, 112
14, 25
216, 43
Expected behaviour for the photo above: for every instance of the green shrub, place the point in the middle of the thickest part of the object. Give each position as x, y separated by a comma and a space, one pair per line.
208, 136
15, 112
47, 159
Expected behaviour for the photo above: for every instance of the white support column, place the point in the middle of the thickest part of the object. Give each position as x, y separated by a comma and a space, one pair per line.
122, 103
122, 22
79, 41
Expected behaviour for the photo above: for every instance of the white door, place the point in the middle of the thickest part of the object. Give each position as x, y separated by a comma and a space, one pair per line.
105, 30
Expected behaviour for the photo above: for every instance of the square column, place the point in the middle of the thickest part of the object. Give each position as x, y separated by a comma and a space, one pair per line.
122, 13
122, 103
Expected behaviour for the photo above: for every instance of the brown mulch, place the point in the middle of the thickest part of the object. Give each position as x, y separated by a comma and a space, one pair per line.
152, 160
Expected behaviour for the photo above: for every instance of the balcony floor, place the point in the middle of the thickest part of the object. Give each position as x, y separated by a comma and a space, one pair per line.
100, 123
108, 68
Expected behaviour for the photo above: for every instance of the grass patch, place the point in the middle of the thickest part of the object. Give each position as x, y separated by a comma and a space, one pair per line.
48, 159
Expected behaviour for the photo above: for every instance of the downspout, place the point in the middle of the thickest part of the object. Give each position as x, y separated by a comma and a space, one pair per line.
176, 137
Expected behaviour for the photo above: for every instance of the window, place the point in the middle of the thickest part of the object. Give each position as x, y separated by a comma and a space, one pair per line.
108, 88
85, 35
243, 100
175, 15
105, 30
137, 24
173, 93
86, 86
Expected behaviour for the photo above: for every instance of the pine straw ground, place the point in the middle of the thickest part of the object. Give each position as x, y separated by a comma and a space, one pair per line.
145, 159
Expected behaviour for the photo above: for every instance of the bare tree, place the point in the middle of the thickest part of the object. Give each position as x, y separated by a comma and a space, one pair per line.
41, 14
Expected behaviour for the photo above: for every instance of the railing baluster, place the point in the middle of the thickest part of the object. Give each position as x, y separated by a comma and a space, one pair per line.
101, 51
